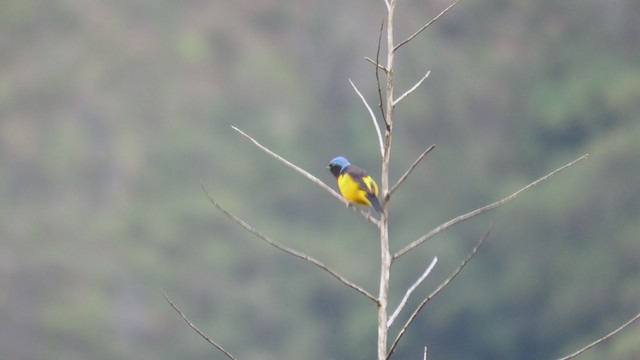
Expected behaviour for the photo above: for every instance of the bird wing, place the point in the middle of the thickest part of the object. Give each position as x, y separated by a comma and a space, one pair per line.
359, 175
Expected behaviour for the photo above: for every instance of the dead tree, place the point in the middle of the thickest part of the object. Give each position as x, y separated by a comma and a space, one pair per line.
387, 103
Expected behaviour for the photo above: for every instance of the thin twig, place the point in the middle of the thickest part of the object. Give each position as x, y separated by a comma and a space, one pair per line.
380, 104
313, 179
437, 291
373, 116
425, 353
602, 338
425, 26
413, 166
396, 101
479, 211
388, 5
288, 250
380, 66
203, 335
410, 291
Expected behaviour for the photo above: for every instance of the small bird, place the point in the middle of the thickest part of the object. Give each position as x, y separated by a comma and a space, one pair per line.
356, 185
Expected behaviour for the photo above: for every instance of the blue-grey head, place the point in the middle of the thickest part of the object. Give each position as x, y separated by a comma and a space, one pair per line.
337, 165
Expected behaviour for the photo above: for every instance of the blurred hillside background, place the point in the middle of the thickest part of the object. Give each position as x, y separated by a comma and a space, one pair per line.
112, 113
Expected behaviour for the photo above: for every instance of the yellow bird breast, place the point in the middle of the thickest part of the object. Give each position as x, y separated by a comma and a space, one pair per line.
350, 189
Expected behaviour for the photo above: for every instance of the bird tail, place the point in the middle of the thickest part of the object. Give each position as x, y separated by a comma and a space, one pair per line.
375, 203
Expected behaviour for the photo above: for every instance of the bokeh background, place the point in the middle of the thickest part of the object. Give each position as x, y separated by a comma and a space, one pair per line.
112, 113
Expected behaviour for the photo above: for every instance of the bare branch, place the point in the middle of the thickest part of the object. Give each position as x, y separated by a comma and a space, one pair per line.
388, 120
313, 179
388, 5
425, 353
385, 254
196, 329
479, 211
411, 290
413, 166
396, 101
288, 250
373, 117
380, 103
426, 25
378, 65
602, 338
437, 291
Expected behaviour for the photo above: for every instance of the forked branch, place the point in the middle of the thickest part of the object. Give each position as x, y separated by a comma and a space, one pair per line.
436, 292
298, 254
479, 211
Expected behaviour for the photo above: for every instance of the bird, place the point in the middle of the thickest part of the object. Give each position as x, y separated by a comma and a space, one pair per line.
355, 184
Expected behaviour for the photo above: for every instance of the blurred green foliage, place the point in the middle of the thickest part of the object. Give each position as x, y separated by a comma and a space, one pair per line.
113, 113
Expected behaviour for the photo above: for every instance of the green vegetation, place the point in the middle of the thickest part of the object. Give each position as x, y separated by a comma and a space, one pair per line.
112, 113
